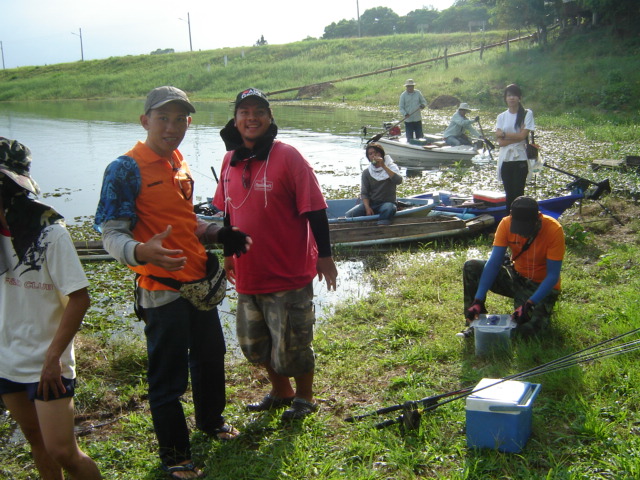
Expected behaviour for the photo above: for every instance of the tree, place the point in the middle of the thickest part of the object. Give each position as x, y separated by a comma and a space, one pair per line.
260, 42
622, 14
418, 20
342, 29
457, 18
378, 21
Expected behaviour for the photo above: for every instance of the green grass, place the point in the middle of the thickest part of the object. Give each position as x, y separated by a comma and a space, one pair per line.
589, 76
397, 344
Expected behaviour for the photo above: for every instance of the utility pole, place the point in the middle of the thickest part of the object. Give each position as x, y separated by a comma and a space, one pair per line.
81, 49
2, 50
189, 25
358, 13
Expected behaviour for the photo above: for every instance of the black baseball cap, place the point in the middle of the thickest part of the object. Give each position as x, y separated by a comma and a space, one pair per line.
524, 216
251, 93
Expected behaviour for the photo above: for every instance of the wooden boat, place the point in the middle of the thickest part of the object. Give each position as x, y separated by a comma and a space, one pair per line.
407, 207
423, 154
407, 229
466, 207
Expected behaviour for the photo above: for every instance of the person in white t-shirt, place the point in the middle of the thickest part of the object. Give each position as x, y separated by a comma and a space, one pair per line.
512, 129
43, 299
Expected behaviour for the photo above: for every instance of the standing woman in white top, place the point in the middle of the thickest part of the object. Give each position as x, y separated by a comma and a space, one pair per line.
512, 128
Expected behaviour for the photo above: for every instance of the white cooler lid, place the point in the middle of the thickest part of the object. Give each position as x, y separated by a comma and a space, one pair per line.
508, 393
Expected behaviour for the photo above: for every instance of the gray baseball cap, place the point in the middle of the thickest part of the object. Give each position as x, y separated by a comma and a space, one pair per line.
162, 95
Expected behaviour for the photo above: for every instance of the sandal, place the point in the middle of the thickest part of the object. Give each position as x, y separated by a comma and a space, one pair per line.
300, 408
187, 467
226, 432
269, 402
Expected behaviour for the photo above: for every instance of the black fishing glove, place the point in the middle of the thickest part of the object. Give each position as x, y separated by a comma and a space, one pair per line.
233, 241
477, 307
522, 314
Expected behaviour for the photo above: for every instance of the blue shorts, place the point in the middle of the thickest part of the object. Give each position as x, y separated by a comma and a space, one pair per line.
7, 386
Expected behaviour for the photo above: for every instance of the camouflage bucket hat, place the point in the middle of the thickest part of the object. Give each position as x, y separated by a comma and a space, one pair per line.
15, 162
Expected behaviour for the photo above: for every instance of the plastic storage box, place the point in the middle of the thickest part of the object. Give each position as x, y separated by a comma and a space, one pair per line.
500, 416
490, 198
492, 333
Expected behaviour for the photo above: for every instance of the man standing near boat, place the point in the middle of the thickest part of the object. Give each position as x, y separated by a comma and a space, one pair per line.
270, 191
532, 276
147, 221
411, 104
456, 133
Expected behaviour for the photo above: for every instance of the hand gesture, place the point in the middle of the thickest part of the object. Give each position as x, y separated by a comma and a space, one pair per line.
154, 253
234, 241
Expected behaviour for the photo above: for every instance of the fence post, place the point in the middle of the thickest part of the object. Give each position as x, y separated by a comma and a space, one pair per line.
507, 42
481, 49
446, 59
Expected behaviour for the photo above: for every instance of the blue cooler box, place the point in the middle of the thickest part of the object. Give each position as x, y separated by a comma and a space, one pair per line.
499, 416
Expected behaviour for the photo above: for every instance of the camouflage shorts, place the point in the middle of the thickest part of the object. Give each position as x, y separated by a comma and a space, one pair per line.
277, 329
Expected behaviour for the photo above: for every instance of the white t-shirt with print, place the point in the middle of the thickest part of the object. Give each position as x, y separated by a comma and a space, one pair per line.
33, 297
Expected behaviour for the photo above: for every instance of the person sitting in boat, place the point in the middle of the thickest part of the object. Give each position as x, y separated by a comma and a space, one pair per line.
460, 127
531, 276
378, 186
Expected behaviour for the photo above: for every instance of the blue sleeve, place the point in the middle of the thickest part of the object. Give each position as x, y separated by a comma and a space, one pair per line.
490, 271
120, 187
553, 275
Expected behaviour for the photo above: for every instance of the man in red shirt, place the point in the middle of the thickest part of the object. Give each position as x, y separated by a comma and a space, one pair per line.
268, 190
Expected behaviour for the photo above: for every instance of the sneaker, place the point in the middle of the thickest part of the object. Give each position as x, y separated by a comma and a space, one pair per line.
269, 402
300, 408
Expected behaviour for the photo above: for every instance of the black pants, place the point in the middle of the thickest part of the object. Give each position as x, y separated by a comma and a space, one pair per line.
514, 179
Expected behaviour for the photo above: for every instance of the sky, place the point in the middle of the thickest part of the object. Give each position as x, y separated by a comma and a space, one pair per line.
44, 32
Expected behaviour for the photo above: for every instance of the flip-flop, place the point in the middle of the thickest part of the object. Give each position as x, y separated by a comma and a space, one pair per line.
226, 432
187, 467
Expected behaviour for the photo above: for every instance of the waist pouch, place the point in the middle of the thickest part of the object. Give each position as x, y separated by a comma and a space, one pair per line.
206, 293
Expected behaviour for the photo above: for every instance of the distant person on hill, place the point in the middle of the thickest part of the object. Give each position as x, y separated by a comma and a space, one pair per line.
43, 300
460, 127
532, 277
378, 186
147, 221
411, 104
268, 189
512, 129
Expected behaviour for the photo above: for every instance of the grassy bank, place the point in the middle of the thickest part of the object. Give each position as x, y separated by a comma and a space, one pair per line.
591, 74
396, 345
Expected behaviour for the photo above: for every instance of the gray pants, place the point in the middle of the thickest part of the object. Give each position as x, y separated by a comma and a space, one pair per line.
510, 284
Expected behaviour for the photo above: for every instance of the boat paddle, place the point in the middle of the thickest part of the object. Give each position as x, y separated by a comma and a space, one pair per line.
490, 146
377, 137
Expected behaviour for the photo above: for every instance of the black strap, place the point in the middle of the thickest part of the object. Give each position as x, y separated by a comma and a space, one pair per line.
527, 244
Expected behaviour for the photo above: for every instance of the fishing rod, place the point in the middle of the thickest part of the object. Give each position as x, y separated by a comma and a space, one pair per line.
582, 183
490, 146
377, 137
411, 412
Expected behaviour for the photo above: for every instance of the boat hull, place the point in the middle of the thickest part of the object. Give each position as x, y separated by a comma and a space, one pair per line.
553, 207
426, 156
403, 230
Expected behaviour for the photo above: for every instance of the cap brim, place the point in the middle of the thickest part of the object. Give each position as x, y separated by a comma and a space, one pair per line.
25, 182
522, 228
190, 108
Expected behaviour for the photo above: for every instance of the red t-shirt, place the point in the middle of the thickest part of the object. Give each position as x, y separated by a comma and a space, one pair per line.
268, 201
548, 245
